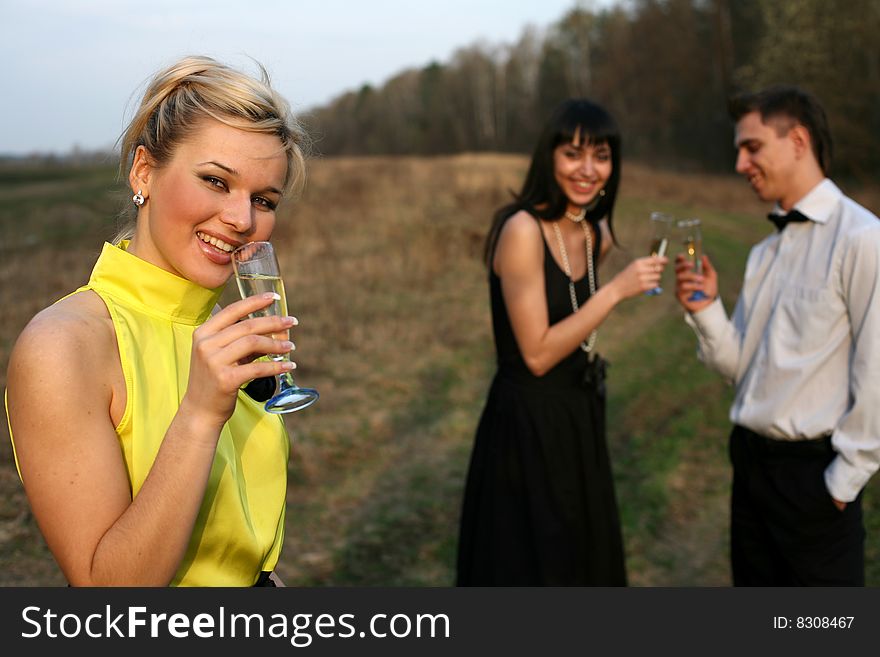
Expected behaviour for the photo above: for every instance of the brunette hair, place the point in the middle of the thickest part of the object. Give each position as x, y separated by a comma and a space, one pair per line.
790, 105
541, 196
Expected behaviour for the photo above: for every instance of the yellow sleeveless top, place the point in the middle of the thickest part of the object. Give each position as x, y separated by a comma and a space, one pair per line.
240, 526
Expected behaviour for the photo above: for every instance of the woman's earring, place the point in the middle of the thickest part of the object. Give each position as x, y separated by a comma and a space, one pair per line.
138, 199
602, 192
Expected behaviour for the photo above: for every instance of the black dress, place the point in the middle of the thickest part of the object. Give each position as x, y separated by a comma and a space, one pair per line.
539, 506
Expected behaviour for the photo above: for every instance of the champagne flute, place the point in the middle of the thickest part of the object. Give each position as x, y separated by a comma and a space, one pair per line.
693, 246
660, 223
256, 272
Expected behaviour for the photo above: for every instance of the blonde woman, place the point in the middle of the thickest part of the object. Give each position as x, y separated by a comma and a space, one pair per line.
143, 460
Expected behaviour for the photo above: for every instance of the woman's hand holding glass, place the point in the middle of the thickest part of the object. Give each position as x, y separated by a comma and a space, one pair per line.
640, 276
256, 271
223, 355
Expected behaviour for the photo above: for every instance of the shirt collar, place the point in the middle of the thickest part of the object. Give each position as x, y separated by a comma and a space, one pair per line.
138, 283
818, 204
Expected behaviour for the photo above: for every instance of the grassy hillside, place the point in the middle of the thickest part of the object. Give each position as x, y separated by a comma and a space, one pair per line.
382, 264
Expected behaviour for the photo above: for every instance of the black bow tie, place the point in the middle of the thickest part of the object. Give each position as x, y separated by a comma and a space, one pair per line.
781, 220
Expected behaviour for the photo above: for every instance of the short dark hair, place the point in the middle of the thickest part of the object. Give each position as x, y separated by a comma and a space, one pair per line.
787, 101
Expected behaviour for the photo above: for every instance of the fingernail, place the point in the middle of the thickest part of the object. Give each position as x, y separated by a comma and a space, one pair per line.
287, 344
294, 321
288, 365
272, 295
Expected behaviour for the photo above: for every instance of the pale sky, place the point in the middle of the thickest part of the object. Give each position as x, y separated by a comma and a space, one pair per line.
72, 68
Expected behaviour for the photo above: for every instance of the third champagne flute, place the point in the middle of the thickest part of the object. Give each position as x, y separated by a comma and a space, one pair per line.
693, 247
660, 223
256, 272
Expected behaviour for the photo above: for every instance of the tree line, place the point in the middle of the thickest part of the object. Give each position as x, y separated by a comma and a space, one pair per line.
664, 68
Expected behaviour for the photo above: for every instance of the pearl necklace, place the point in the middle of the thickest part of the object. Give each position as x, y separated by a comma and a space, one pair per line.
587, 346
576, 218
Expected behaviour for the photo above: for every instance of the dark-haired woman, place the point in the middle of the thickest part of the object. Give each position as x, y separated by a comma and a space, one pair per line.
539, 506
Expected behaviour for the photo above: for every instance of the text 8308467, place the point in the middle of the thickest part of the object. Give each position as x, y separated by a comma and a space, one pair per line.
813, 622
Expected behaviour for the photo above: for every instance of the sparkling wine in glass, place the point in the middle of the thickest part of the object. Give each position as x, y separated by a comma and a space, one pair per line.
693, 248
256, 272
660, 224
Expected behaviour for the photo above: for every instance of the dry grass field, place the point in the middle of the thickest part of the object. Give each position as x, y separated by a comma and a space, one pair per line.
382, 262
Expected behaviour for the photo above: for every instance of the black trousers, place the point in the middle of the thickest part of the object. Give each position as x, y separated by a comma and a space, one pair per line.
785, 528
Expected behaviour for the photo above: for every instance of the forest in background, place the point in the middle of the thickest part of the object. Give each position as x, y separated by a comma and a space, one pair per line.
664, 68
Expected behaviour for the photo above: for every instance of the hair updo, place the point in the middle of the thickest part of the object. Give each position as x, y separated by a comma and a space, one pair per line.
181, 96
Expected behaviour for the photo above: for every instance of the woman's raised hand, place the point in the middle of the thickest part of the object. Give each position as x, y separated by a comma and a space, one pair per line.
223, 354
641, 275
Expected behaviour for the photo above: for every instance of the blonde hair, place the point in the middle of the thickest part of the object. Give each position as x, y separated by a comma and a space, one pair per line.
180, 96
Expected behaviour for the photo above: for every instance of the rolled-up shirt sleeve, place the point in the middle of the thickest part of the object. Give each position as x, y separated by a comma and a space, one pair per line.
718, 339
856, 438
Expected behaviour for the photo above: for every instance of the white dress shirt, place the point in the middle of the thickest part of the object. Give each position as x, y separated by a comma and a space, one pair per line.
803, 345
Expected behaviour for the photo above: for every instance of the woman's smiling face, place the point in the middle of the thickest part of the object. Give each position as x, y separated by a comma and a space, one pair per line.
219, 190
581, 169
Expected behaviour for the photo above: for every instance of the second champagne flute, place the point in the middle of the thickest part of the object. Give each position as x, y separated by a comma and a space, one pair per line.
693, 247
256, 272
660, 223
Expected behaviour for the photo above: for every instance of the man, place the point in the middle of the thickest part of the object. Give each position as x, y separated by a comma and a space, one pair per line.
803, 350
